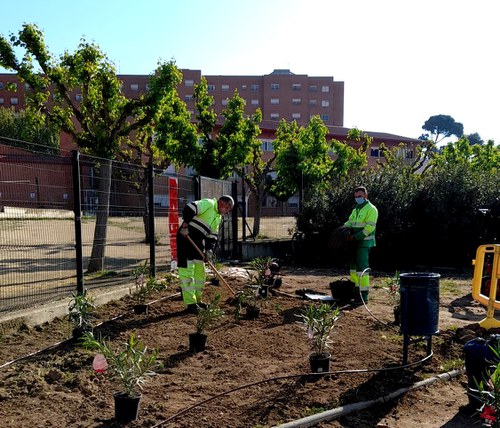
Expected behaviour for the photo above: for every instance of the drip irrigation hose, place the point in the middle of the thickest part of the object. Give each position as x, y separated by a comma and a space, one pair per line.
55, 345
366, 306
277, 378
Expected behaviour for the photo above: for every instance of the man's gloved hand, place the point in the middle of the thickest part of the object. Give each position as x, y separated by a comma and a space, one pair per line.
209, 256
184, 230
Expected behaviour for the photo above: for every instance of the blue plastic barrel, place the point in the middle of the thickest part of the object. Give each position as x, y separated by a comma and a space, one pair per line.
479, 362
419, 303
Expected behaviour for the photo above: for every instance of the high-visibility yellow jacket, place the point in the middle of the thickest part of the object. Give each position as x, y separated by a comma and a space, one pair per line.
363, 223
204, 220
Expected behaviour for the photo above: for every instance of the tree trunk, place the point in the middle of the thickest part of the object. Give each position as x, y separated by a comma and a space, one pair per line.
96, 262
258, 213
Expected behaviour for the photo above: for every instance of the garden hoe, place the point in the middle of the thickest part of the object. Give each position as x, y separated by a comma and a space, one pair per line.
211, 265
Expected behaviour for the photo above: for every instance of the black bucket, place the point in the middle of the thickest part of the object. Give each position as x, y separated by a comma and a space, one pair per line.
342, 289
419, 303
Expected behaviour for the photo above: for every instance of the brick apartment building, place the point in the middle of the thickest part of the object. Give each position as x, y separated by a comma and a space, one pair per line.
280, 95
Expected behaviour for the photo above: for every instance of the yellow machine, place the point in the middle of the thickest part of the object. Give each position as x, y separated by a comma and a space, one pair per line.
486, 284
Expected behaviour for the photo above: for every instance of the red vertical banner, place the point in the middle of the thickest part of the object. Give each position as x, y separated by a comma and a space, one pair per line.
173, 218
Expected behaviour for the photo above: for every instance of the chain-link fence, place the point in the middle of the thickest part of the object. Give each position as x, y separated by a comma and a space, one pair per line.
54, 238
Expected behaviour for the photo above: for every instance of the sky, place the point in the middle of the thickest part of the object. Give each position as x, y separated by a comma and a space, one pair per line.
401, 61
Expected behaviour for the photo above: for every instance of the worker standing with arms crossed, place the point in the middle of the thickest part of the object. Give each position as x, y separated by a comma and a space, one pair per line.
362, 222
201, 221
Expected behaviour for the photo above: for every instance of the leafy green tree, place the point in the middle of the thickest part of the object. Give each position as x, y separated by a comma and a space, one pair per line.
220, 149
306, 161
257, 174
27, 129
442, 126
474, 138
103, 121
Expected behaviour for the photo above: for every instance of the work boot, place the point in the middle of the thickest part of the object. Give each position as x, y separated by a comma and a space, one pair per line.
356, 297
192, 308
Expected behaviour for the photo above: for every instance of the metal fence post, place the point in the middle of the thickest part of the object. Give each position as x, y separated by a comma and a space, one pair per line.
77, 209
234, 213
151, 208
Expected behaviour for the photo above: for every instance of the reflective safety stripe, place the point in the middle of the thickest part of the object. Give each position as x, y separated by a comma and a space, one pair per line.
364, 283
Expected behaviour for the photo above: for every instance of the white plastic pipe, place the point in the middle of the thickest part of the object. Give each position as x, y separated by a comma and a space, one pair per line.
329, 415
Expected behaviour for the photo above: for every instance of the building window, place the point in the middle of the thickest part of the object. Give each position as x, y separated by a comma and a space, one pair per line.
296, 87
325, 103
313, 88
296, 101
267, 146
2, 100
275, 86
1, 85
269, 202
189, 82
134, 86
313, 103
325, 117
211, 88
254, 102
32, 195
224, 88
14, 101
409, 154
375, 152
244, 87
293, 202
274, 116
79, 97
325, 89
224, 102
255, 88
295, 115
275, 101
65, 196
188, 98
147, 87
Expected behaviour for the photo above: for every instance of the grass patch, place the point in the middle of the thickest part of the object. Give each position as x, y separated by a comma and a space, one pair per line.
453, 364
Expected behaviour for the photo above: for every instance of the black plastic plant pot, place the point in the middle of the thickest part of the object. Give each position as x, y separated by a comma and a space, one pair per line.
78, 332
141, 309
197, 342
278, 282
397, 315
253, 312
320, 363
126, 406
264, 291
215, 281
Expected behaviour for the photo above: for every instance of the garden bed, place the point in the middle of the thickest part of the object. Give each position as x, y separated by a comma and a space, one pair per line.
253, 373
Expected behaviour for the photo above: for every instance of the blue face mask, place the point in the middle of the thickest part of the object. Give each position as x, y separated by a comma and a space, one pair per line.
359, 200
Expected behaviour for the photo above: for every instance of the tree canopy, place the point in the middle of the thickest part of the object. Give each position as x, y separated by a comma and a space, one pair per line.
442, 126
19, 128
102, 120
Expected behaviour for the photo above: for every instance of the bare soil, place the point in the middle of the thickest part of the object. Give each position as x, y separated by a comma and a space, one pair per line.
253, 373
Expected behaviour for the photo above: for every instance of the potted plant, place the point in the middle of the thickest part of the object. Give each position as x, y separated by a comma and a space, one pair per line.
319, 321
207, 316
133, 366
260, 274
392, 286
145, 286
80, 313
251, 299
